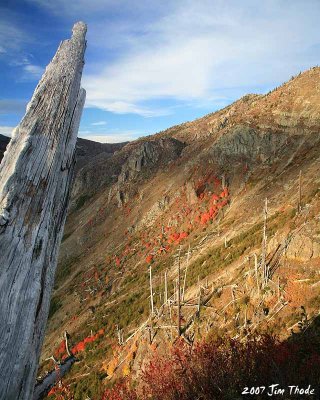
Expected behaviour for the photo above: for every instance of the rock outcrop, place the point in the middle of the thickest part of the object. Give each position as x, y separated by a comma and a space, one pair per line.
148, 154
145, 157
246, 142
303, 248
35, 177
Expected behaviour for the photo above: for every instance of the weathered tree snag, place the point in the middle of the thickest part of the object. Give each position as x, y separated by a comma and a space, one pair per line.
35, 176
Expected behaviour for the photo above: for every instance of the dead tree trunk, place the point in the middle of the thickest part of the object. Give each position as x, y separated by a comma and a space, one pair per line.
185, 274
50, 380
300, 193
179, 296
35, 177
165, 288
264, 244
151, 291
256, 272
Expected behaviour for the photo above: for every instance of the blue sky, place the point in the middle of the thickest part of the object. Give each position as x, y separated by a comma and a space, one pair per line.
153, 64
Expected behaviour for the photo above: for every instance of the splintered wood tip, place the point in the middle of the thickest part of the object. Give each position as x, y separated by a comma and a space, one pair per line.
79, 29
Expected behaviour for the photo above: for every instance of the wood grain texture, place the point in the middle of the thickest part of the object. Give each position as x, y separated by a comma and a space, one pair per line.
35, 177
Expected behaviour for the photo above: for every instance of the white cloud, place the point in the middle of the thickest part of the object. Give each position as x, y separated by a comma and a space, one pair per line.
204, 48
13, 41
111, 137
157, 73
6, 130
12, 106
124, 107
99, 123
11, 37
62, 7
32, 72
97, 8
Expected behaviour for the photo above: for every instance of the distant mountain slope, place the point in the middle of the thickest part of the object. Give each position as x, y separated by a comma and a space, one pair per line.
86, 149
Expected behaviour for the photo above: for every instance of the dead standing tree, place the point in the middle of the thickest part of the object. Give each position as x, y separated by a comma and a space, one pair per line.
264, 245
300, 192
35, 177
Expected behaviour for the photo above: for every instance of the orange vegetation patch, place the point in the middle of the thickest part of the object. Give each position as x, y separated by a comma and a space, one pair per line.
117, 261
149, 258
79, 347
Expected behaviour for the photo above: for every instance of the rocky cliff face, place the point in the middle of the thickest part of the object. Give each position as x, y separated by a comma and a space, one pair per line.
147, 155
201, 184
249, 144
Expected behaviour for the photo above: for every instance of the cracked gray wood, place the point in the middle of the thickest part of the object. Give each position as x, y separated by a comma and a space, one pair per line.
35, 177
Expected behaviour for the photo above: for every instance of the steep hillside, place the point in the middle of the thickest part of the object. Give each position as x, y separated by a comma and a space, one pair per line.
193, 196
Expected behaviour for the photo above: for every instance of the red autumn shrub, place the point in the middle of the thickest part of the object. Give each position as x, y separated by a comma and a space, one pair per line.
81, 346
96, 275
205, 218
220, 369
174, 237
149, 258
89, 339
215, 197
78, 348
61, 350
224, 203
121, 391
61, 392
217, 181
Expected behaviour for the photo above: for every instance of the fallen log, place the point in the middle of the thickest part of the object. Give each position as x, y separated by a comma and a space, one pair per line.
35, 177
43, 387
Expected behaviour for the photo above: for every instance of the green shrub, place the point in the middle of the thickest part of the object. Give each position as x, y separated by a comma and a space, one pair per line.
81, 201
64, 270
55, 304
